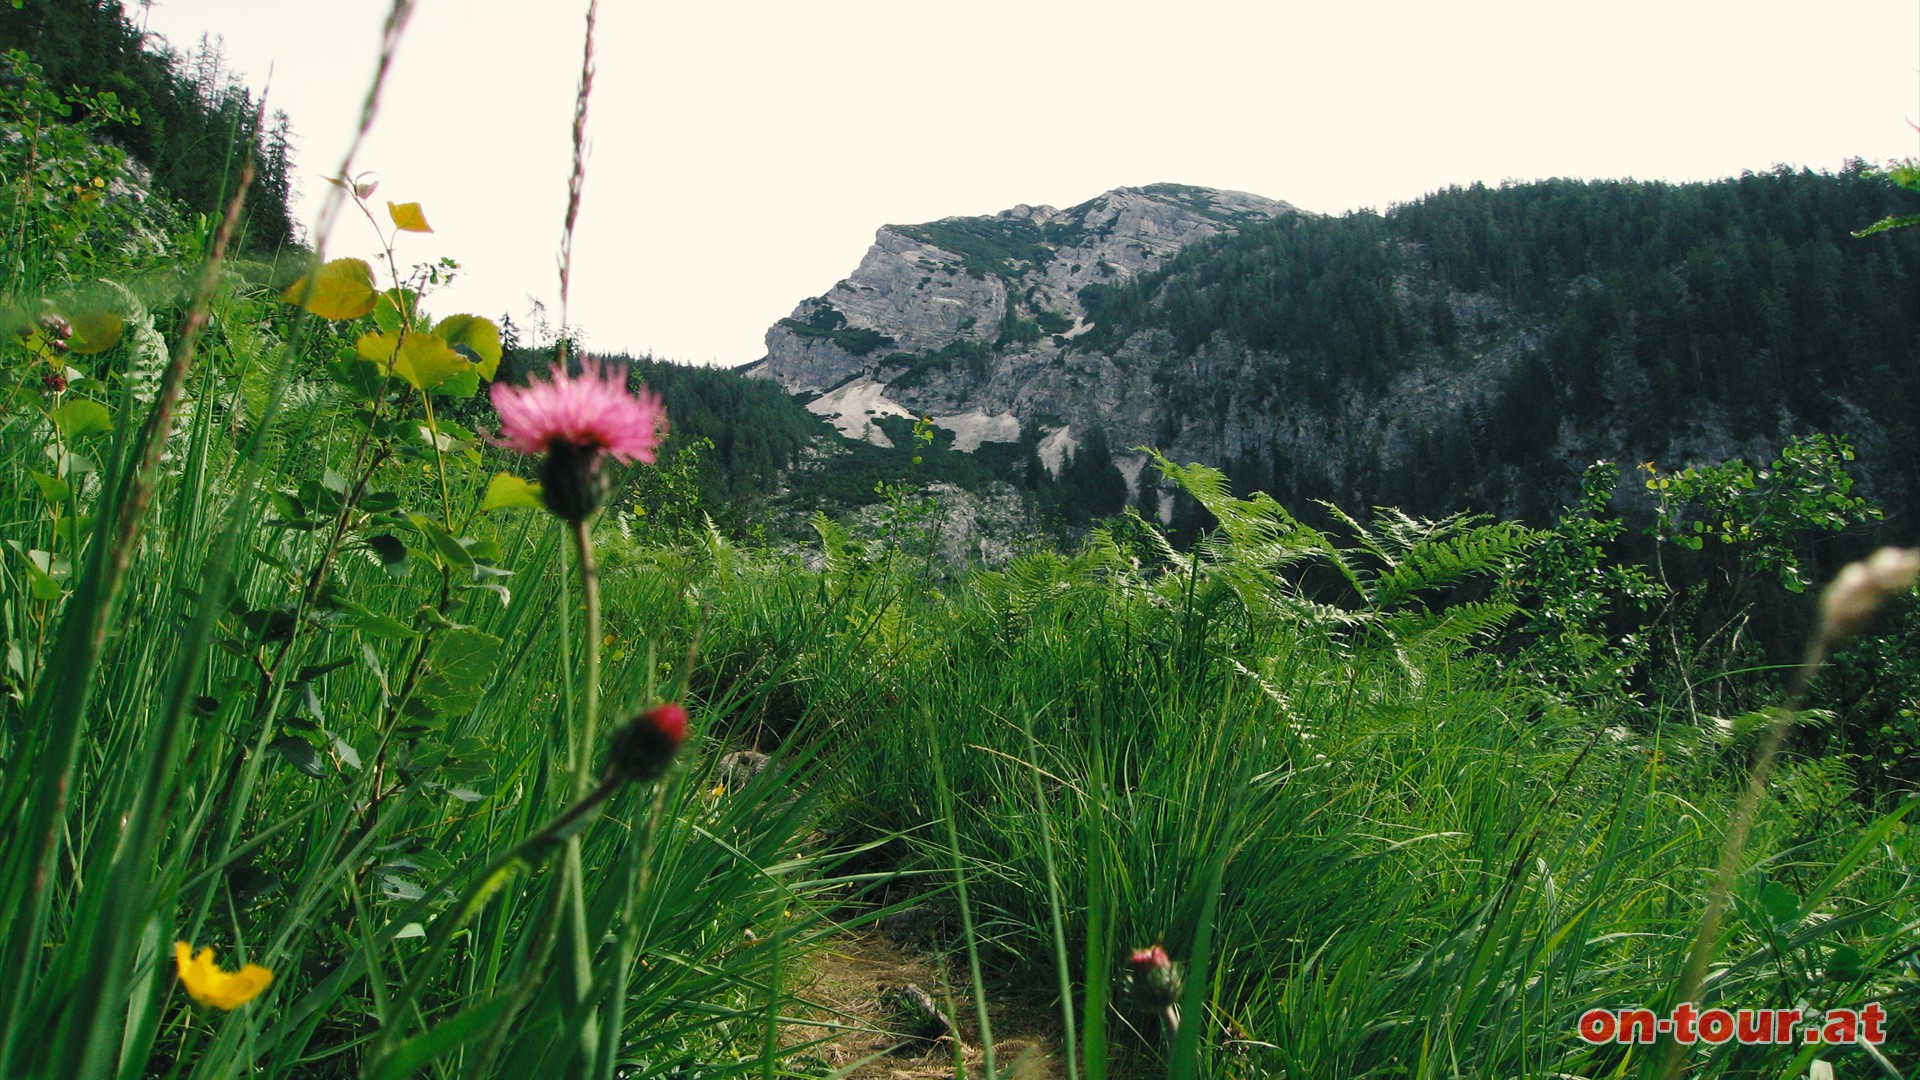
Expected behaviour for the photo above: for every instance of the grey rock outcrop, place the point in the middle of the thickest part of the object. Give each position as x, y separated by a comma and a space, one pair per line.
971, 320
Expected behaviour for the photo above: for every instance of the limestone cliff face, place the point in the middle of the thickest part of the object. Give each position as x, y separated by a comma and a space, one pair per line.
970, 320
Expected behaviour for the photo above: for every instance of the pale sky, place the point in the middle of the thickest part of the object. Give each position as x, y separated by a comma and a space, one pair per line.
743, 153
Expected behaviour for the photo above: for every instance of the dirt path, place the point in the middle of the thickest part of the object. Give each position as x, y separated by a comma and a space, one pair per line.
849, 983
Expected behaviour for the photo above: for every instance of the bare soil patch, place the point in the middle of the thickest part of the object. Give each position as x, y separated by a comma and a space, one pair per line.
847, 984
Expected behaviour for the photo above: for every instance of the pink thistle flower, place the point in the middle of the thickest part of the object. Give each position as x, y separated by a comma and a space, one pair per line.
575, 420
591, 411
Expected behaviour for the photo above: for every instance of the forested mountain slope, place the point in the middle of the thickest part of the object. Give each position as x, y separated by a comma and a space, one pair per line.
1472, 349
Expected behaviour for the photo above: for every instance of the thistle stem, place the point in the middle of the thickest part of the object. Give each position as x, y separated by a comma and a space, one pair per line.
590, 711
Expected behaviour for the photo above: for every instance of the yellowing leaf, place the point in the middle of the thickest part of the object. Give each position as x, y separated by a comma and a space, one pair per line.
95, 331
343, 289
408, 217
422, 359
506, 491
476, 335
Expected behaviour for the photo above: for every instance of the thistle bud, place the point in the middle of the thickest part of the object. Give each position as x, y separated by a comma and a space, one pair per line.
1860, 588
572, 483
644, 746
1154, 977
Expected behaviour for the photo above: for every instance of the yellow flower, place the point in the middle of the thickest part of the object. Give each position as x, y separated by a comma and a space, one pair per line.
211, 986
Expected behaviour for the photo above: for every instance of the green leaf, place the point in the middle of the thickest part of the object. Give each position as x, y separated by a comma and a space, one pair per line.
390, 310
82, 417
463, 385
94, 332
300, 754
1781, 905
348, 755
451, 552
377, 625
311, 672
475, 336
391, 552
507, 491
459, 666
1899, 221
342, 289
421, 359
1845, 964
411, 1056
52, 487
41, 584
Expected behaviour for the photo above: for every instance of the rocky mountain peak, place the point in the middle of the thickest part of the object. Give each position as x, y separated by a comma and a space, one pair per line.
970, 319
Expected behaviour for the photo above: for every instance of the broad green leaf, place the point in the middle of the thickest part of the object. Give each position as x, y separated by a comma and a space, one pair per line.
451, 551
391, 309
54, 488
392, 554
408, 217
95, 332
463, 385
300, 754
422, 360
342, 289
374, 624
475, 335
82, 417
40, 584
507, 491
1780, 904
458, 668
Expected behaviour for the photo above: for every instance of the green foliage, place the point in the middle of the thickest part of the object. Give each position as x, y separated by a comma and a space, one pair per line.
67, 207
1575, 591
1767, 515
289, 663
827, 322
1636, 313
1005, 246
182, 116
1907, 175
975, 355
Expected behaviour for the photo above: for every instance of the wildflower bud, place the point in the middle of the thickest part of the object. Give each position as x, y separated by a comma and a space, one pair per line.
1861, 587
54, 381
1153, 977
56, 327
572, 483
644, 746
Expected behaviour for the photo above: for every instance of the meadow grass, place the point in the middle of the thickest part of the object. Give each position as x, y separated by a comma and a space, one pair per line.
284, 677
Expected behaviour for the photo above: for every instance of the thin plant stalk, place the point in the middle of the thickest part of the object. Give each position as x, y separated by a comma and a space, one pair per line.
1063, 970
945, 791
1694, 977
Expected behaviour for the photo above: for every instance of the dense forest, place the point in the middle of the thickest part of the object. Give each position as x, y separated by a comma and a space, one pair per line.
183, 116
1737, 311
